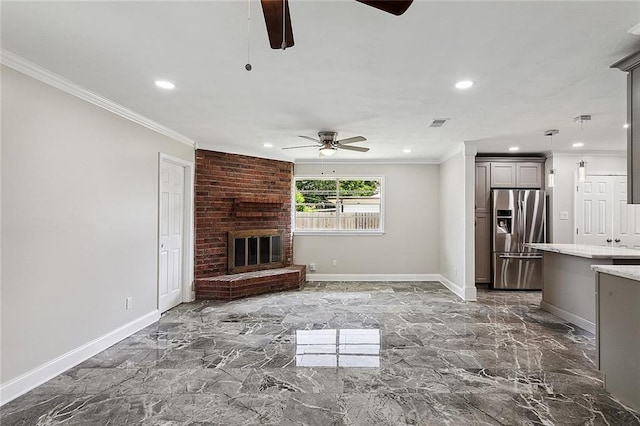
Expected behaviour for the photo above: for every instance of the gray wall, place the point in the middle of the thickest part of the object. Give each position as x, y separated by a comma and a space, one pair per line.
79, 221
457, 222
410, 242
452, 219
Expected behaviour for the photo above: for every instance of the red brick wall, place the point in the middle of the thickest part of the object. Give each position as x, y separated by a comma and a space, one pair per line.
241, 193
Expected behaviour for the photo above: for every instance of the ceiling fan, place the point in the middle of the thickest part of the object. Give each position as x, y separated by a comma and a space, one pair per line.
280, 30
329, 145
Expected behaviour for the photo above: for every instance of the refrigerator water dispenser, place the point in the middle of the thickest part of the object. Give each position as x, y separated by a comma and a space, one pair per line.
503, 221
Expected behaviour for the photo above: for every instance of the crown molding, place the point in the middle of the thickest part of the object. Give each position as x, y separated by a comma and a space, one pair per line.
26, 67
365, 162
456, 150
268, 153
593, 153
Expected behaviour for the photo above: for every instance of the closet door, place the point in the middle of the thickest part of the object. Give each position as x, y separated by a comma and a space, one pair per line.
626, 217
594, 211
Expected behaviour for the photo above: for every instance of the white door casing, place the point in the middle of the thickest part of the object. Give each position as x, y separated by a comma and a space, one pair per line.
174, 267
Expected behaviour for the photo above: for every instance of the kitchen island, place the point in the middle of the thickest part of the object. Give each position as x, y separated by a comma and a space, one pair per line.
618, 330
568, 289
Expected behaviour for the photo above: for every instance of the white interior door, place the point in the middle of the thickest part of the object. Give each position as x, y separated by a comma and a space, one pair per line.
594, 211
171, 217
626, 217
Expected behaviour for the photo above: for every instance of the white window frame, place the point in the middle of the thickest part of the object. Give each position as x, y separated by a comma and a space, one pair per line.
342, 232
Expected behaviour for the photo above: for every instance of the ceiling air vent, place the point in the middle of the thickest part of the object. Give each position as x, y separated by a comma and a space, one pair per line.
438, 122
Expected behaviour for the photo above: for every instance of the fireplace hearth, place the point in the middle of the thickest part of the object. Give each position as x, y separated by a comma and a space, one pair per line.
255, 250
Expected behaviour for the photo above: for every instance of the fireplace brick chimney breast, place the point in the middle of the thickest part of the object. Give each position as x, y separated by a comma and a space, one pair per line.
238, 193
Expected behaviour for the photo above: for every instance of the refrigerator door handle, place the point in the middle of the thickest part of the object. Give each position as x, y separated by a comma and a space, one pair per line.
521, 225
520, 256
523, 215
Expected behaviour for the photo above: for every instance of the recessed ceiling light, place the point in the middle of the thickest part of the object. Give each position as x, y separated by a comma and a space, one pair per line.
625, 126
406, 150
267, 145
514, 148
163, 84
464, 84
577, 144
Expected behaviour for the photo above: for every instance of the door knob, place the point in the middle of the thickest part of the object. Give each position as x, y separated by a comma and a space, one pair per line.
609, 240
617, 240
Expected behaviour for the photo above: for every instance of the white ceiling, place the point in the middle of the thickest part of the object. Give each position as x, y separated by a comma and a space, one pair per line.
353, 69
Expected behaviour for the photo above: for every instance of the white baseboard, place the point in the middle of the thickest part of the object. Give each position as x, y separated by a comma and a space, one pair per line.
312, 276
31, 379
572, 318
466, 294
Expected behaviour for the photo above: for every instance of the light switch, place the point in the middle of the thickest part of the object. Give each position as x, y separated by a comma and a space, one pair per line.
564, 215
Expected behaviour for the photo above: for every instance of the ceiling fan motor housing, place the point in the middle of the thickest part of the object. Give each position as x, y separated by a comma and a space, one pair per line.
327, 137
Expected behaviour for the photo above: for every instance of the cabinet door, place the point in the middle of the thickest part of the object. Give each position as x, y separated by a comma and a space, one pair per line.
631, 65
483, 248
483, 186
529, 175
503, 175
633, 136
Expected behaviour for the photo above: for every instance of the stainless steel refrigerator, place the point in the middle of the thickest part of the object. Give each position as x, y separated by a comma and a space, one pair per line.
518, 217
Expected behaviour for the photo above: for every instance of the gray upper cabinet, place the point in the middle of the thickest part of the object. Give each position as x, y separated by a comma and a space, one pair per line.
503, 175
483, 186
517, 174
529, 175
631, 65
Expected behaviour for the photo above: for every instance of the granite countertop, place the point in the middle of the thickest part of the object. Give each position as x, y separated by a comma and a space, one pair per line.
590, 252
631, 272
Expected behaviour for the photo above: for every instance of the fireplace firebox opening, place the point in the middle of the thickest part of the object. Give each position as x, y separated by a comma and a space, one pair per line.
255, 250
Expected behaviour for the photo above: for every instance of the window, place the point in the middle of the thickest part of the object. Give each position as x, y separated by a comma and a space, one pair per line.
338, 204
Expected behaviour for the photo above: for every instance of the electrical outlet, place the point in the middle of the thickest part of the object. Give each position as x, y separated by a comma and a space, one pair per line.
455, 271
312, 267
334, 262
128, 302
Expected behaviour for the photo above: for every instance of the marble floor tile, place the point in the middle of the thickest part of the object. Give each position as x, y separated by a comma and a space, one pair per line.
339, 353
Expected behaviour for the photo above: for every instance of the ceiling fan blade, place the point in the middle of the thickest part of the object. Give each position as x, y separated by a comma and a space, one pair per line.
352, 140
302, 146
311, 139
395, 7
272, 10
352, 148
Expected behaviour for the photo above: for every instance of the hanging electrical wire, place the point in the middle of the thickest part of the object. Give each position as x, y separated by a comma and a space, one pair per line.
284, 19
248, 66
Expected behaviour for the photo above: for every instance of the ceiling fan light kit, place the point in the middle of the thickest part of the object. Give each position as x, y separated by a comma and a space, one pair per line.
327, 151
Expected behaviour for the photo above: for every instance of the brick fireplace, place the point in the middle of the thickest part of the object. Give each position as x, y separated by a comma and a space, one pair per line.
241, 194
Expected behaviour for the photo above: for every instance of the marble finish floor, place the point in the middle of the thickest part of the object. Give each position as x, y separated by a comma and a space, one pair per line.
339, 354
